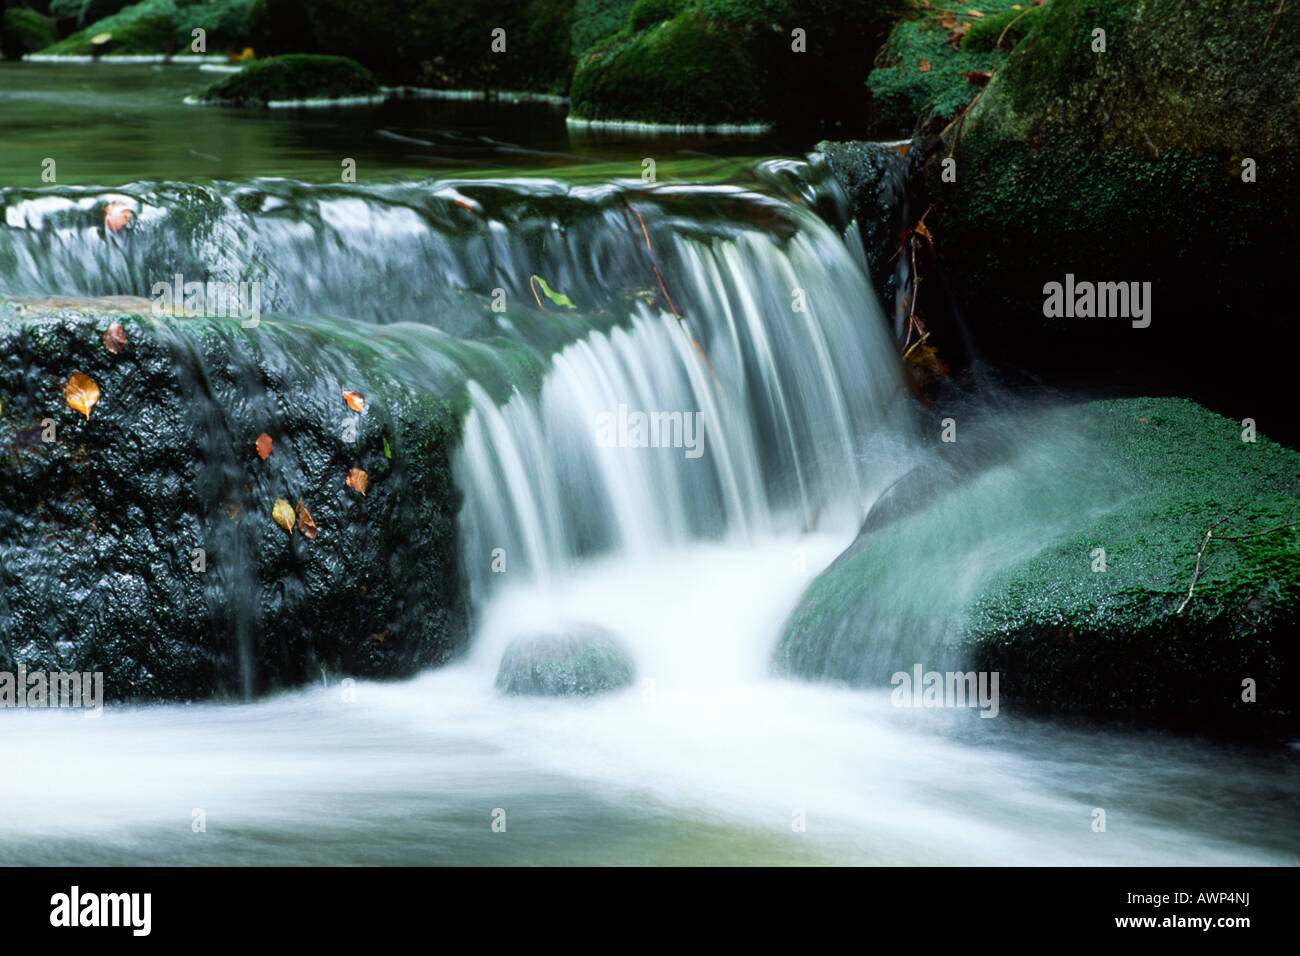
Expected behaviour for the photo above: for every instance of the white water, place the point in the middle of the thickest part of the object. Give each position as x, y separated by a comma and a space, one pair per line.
707, 763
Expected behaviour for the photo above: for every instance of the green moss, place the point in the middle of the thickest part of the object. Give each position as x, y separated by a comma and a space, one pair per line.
733, 61
903, 90
594, 20
649, 13
688, 71
164, 27
31, 30
295, 76
1009, 27
1001, 574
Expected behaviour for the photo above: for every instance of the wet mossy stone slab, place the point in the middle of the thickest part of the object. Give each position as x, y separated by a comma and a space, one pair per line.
584, 661
1003, 573
99, 524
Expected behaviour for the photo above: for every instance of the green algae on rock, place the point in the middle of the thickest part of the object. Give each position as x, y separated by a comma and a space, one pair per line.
1005, 572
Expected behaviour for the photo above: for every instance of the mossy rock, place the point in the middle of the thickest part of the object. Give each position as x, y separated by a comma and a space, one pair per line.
294, 76
921, 73
1001, 32
594, 20
25, 31
725, 62
1128, 165
98, 526
163, 27
583, 662
1001, 573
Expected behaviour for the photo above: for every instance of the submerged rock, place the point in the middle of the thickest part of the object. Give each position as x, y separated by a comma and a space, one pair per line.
586, 661
1067, 568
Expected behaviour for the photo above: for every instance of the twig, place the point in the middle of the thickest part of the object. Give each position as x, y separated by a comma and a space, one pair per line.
1277, 14
1200, 553
1002, 36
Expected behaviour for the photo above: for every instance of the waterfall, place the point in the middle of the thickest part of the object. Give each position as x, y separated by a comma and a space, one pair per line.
776, 351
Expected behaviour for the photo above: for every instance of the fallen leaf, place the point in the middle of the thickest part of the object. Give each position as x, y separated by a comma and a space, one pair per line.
264, 446
357, 480
355, 401
979, 78
557, 297
380, 636
115, 338
925, 66
947, 21
82, 393
305, 523
283, 515
974, 13
388, 453
116, 216
921, 230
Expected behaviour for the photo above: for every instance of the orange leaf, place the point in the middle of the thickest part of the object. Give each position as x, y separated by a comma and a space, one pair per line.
947, 21
357, 480
264, 446
116, 216
925, 66
355, 401
82, 393
974, 13
282, 512
115, 338
305, 523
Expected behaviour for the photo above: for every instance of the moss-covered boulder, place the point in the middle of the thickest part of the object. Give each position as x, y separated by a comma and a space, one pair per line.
936, 60
584, 661
294, 77
24, 31
102, 515
165, 27
727, 62
1006, 572
1171, 156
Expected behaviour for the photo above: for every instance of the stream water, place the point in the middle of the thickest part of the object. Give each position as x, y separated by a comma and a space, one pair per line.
694, 562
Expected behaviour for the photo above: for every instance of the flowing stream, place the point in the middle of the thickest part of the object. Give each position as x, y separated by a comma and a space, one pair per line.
745, 307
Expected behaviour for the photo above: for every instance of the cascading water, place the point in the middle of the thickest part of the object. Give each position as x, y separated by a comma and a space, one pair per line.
742, 304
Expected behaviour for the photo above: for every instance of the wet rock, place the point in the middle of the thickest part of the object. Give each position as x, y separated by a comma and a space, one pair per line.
139, 541
583, 662
1005, 571
1170, 158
